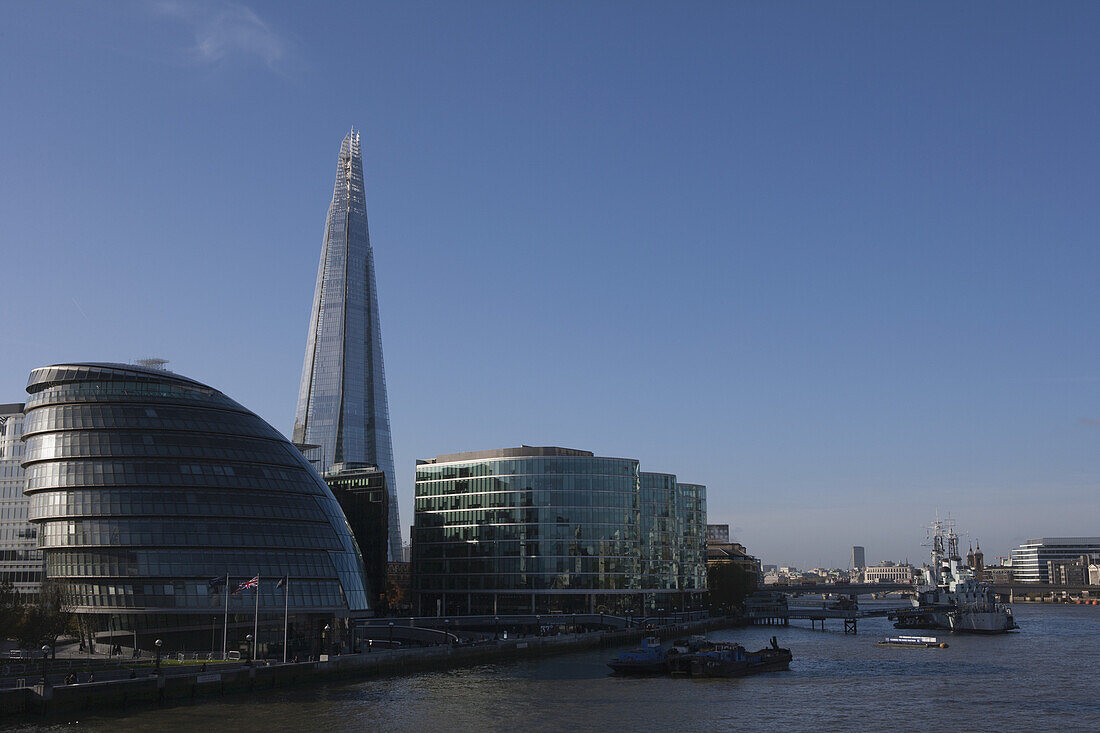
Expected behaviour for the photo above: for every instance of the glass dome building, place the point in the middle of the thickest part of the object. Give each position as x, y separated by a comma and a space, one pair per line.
149, 489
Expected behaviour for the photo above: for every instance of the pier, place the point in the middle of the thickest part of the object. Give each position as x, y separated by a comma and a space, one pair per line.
782, 616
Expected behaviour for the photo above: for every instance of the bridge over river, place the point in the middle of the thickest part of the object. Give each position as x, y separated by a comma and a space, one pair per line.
771, 607
841, 589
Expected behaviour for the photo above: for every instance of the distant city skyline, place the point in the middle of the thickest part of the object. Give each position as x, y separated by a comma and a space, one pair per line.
837, 263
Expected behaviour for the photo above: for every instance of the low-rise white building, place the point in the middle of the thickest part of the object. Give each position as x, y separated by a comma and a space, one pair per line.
888, 572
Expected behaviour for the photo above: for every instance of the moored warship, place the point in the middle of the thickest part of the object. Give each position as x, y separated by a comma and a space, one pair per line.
950, 595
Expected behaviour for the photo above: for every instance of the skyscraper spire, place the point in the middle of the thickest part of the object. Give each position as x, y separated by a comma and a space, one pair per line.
342, 404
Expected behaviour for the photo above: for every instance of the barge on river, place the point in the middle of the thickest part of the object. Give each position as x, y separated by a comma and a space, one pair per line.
717, 659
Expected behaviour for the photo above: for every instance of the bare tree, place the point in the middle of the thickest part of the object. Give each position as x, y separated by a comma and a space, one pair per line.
45, 619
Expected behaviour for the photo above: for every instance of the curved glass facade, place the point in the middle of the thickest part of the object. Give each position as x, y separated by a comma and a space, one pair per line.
556, 530
146, 486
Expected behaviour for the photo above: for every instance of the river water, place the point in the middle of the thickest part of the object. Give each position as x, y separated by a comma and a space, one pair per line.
1047, 675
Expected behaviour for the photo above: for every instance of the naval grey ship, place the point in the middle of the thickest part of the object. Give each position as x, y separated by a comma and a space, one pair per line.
950, 595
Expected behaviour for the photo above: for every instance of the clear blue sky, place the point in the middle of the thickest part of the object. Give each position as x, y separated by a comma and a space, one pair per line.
836, 261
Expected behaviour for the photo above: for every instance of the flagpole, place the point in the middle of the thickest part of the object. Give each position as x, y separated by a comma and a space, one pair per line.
225, 626
286, 614
256, 621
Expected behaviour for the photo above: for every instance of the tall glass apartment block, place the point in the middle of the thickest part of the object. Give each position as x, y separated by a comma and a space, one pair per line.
342, 404
20, 558
659, 530
691, 516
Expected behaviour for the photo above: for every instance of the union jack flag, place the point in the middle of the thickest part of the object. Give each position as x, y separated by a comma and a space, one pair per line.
254, 583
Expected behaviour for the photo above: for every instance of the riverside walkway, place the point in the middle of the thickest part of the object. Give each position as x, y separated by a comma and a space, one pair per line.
185, 684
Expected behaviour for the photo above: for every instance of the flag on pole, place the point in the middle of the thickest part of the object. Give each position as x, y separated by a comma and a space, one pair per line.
254, 583
282, 582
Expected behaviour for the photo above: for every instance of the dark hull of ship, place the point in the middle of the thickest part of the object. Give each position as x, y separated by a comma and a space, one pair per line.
943, 621
649, 667
773, 660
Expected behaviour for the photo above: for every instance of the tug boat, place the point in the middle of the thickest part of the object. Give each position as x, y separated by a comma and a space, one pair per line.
732, 660
647, 659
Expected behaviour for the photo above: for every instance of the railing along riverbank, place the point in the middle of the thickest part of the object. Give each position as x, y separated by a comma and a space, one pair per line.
186, 686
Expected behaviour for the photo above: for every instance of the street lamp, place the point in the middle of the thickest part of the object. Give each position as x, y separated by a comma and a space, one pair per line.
496, 627
538, 624
447, 629
391, 634
158, 644
249, 640
45, 664
324, 638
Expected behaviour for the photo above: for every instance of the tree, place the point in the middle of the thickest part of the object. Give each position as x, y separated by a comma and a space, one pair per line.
729, 585
45, 619
394, 597
11, 608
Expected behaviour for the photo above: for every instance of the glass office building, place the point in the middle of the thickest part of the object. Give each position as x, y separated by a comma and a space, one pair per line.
342, 404
361, 492
547, 529
691, 521
1030, 561
20, 558
148, 488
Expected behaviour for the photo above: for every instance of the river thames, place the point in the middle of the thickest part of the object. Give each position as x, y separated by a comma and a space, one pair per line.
1047, 674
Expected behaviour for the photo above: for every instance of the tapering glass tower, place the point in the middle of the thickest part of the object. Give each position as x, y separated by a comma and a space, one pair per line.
342, 405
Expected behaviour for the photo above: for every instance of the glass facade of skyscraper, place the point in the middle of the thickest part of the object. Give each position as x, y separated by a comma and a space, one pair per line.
691, 519
342, 403
20, 558
148, 488
528, 529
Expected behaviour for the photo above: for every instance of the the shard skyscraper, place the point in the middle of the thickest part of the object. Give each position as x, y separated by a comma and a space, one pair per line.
342, 405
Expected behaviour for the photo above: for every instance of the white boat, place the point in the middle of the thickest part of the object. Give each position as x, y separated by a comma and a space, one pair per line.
914, 642
950, 596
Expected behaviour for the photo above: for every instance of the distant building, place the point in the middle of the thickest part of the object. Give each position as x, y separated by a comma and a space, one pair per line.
733, 552
721, 550
360, 489
1069, 572
20, 558
1094, 573
1030, 560
975, 560
888, 572
859, 558
548, 529
998, 574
